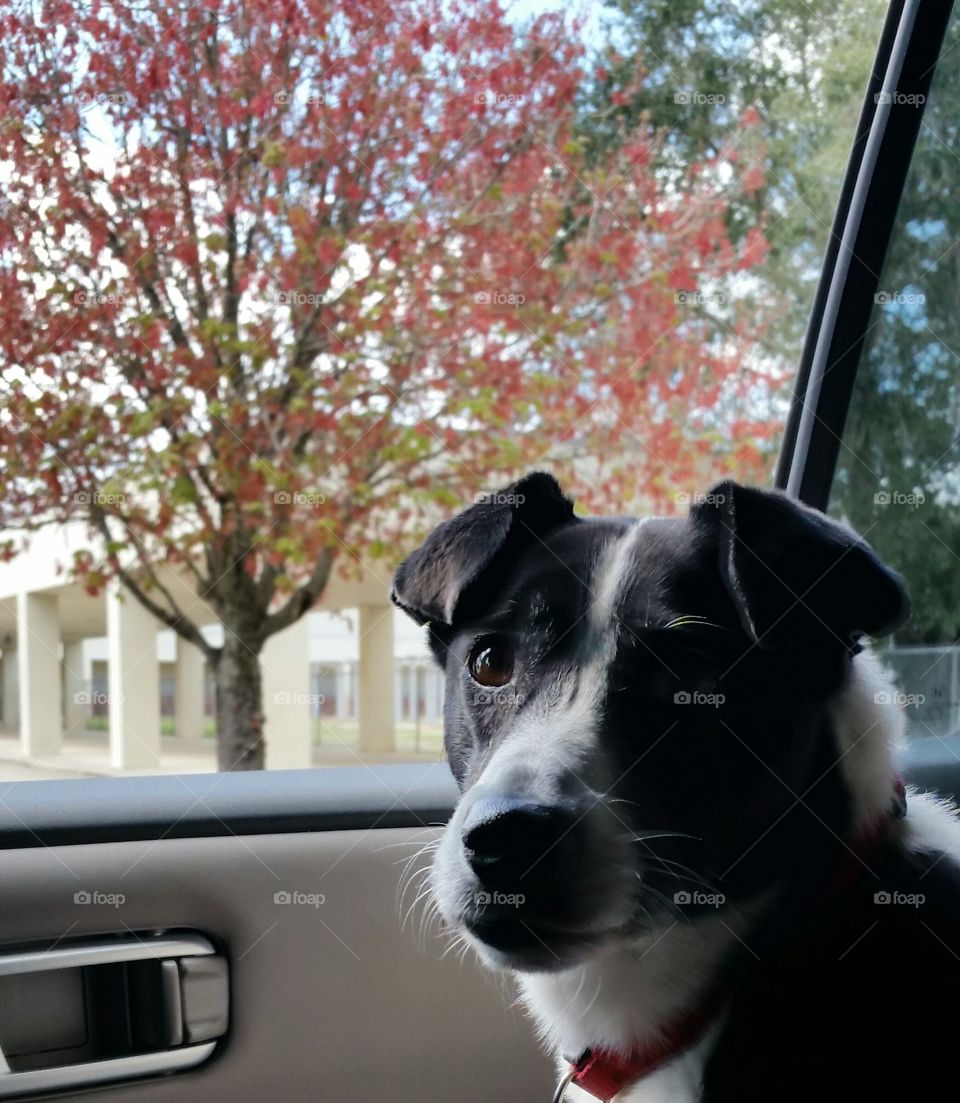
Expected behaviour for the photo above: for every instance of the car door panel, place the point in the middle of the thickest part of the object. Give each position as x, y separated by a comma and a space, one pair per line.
329, 998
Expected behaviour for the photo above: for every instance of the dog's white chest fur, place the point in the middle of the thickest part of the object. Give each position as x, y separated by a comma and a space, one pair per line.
623, 998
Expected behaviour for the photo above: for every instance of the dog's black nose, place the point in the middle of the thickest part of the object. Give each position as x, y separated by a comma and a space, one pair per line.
505, 839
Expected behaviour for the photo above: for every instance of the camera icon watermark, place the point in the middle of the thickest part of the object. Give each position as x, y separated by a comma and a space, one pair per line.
500, 298
499, 99
299, 498
682, 498
98, 298
899, 298
699, 899
899, 899
96, 898
907, 99
499, 899
912, 498
903, 700
698, 697
296, 898
499, 498
299, 298
95, 697
507, 697
692, 97
699, 298
285, 697
98, 498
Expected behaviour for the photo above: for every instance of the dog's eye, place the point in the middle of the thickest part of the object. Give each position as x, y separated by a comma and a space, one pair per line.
490, 661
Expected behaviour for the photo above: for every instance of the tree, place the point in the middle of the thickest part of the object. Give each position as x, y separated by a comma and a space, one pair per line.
277, 279
899, 472
805, 68
692, 67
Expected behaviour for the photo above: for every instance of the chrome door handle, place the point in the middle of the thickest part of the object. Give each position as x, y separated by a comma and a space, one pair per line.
182, 1012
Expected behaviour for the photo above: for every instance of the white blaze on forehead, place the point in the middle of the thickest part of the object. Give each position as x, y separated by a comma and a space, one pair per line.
557, 731
610, 576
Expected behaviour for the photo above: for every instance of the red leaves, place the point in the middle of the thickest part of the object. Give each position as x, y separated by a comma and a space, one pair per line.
313, 261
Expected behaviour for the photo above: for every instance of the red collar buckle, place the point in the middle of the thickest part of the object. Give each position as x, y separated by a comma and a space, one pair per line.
604, 1073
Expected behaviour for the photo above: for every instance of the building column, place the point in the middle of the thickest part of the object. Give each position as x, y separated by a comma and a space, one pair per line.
437, 677
189, 690
376, 691
76, 692
288, 724
344, 685
38, 669
11, 688
133, 680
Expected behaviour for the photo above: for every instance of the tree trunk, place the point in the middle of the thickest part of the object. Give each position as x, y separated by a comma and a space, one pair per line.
240, 744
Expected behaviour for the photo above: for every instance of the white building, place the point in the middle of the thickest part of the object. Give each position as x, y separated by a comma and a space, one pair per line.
68, 656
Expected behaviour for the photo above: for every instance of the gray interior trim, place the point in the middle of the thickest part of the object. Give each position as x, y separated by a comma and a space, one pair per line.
192, 806
16, 1085
181, 806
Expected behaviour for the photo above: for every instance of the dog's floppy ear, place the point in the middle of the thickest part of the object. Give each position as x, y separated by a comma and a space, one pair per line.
796, 576
432, 582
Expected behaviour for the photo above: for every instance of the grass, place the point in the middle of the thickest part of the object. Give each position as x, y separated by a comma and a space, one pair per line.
327, 732
330, 732
102, 724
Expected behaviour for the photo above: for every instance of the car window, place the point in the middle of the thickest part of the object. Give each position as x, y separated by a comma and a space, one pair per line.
898, 479
278, 296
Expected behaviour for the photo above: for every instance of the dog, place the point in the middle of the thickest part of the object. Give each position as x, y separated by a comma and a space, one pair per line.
681, 826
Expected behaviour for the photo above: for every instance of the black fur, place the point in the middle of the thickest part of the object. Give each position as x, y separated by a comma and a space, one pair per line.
751, 608
847, 999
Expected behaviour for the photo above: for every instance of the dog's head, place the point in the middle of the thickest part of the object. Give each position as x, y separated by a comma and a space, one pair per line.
636, 710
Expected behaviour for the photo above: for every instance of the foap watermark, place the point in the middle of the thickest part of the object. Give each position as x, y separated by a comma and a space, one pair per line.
87, 100
299, 298
698, 697
498, 697
698, 899
96, 697
98, 298
693, 97
99, 498
903, 700
907, 99
684, 499
499, 899
699, 298
296, 898
299, 498
912, 498
284, 697
500, 298
499, 499
282, 98
900, 899
499, 99
899, 298
99, 899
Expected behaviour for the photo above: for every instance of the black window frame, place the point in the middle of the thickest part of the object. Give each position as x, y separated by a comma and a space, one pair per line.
907, 56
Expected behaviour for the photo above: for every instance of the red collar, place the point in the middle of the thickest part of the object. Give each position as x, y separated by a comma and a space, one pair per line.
604, 1073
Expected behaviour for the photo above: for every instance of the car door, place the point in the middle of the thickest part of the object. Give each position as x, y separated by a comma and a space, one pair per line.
257, 936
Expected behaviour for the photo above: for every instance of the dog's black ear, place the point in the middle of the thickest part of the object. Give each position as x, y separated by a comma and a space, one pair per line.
434, 581
796, 576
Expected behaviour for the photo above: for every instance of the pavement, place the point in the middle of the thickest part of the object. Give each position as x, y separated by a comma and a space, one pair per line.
87, 754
